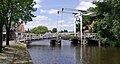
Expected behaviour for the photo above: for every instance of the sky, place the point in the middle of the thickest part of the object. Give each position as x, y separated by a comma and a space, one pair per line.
46, 14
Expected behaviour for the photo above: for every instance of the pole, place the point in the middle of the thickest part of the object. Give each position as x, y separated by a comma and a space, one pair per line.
61, 21
74, 26
81, 26
57, 24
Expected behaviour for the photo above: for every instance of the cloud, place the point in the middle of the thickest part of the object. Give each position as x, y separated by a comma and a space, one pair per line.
40, 18
37, 21
85, 5
42, 11
38, 4
43, 21
61, 21
38, 1
50, 11
33, 24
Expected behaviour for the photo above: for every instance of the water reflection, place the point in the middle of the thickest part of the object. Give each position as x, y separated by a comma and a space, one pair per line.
69, 54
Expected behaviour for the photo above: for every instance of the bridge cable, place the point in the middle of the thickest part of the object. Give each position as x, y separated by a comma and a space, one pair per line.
57, 22
61, 19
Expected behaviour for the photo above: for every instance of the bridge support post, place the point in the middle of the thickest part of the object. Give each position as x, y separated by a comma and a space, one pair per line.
99, 43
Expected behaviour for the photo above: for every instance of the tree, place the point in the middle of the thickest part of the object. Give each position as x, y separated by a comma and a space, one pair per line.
62, 31
27, 31
108, 22
87, 20
2, 21
12, 11
1, 30
54, 30
65, 30
39, 30
49, 31
17, 9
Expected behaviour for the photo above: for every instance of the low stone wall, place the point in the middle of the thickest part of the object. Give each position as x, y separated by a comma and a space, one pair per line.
15, 54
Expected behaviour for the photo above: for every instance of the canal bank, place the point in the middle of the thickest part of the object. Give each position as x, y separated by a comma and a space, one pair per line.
15, 54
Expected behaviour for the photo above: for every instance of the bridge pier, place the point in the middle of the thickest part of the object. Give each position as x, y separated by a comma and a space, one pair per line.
55, 42
75, 41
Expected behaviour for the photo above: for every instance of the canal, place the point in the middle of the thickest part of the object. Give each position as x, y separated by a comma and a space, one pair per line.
42, 53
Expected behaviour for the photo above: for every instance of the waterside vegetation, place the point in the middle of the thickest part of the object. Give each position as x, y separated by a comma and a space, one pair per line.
107, 24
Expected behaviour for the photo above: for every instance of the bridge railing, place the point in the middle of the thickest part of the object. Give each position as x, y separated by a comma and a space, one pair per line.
30, 36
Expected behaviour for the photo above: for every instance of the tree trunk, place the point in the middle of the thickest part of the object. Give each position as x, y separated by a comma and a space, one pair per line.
8, 25
1, 41
7, 36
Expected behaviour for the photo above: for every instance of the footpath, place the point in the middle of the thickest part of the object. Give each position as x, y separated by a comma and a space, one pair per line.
16, 53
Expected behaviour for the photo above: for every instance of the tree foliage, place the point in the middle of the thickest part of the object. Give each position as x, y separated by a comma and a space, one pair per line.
108, 21
62, 31
65, 30
18, 9
54, 30
13, 10
87, 20
39, 30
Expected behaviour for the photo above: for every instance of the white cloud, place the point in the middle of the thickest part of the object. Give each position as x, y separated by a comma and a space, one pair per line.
42, 11
49, 23
85, 5
37, 21
38, 1
38, 4
34, 24
40, 18
61, 21
50, 27
52, 11
65, 26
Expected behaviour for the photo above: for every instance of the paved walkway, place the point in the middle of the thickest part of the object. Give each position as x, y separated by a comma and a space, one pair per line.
16, 53
10, 42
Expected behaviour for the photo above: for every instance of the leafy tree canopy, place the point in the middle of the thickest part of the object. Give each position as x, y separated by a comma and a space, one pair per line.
62, 31
39, 30
54, 30
108, 21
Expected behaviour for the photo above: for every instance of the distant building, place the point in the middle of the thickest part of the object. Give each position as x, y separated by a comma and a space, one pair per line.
12, 32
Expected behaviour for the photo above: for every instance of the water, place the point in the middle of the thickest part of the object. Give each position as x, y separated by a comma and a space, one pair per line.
42, 53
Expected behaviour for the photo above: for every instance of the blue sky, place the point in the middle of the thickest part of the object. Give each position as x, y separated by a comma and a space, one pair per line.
47, 13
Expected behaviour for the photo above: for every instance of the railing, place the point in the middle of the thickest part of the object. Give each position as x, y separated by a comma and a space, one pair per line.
30, 36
